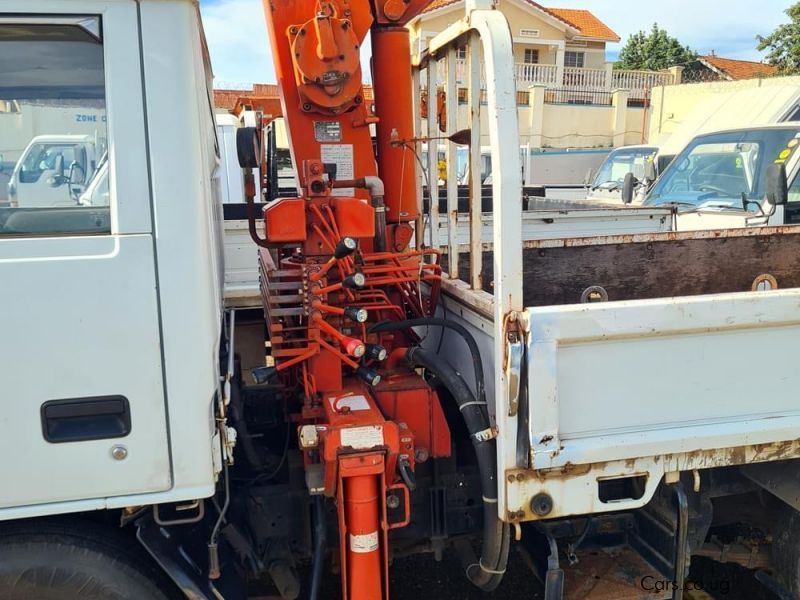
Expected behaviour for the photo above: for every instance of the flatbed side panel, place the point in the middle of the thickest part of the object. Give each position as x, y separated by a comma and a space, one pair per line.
241, 266
637, 266
623, 380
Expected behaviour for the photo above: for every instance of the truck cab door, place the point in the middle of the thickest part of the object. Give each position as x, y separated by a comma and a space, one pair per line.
82, 409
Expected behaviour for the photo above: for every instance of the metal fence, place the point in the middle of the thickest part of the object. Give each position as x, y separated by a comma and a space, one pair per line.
572, 96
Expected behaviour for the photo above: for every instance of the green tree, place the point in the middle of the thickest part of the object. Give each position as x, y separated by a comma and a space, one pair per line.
654, 51
784, 43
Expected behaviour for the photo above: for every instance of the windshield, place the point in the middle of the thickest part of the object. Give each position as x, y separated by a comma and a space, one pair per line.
715, 170
44, 157
621, 162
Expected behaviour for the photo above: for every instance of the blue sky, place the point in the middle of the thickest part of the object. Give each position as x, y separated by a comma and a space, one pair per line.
240, 50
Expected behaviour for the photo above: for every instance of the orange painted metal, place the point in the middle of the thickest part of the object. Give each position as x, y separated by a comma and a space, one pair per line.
354, 218
285, 220
306, 289
310, 130
405, 398
391, 66
362, 520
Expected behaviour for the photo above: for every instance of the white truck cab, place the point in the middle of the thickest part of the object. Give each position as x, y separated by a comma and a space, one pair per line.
148, 430
719, 180
53, 170
607, 183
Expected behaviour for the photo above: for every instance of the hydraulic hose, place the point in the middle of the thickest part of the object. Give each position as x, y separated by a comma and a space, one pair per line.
236, 410
486, 572
319, 547
477, 362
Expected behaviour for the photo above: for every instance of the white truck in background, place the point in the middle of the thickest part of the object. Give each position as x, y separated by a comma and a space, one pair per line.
721, 179
722, 111
53, 170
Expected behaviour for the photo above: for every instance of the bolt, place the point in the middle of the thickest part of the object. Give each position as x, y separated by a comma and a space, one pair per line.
421, 455
520, 477
392, 501
119, 452
511, 479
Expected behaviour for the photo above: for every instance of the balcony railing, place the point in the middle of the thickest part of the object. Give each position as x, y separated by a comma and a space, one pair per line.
639, 83
545, 74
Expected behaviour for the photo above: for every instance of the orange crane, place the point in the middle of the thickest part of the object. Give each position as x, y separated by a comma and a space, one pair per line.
341, 289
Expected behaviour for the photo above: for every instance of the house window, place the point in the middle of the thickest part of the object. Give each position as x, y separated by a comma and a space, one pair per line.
531, 56
461, 53
574, 59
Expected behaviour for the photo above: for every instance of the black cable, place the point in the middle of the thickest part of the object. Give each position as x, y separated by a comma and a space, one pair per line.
486, 572
319, 547
477, 362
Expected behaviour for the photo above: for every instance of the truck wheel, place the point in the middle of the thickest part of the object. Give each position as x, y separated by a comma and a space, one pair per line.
52, 561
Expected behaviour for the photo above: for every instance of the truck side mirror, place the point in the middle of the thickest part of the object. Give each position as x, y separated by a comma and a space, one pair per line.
650, 170
628, 187
777, 190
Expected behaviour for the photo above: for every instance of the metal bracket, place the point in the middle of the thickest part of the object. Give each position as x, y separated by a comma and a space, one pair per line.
554, 578
682, 556
515, 354
166, 551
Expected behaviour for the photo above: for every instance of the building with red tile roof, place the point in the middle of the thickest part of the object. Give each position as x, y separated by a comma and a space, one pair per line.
734, 70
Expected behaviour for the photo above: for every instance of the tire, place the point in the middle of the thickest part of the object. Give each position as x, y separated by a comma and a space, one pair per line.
45, 560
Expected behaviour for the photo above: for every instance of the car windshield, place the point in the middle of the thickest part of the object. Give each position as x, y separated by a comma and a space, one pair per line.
714, 171
621, 162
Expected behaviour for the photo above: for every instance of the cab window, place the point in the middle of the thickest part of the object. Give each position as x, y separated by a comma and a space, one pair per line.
52, 127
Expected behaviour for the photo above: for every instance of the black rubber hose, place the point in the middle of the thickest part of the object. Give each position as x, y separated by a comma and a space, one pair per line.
477, 362
486, 572
236, 410
319, 547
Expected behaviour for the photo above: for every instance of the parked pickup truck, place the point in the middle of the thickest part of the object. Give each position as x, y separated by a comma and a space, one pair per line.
720, 179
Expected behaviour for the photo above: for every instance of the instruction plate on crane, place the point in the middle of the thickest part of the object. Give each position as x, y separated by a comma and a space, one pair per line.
362, 438
340, 155
328, 131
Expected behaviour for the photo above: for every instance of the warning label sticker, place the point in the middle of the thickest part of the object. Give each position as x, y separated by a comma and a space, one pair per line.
340, 155
361, 544
362, 438
351, 402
